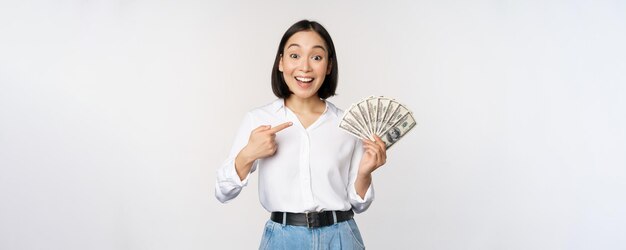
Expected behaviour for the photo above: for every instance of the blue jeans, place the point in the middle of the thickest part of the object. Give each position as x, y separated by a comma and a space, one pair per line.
342, 235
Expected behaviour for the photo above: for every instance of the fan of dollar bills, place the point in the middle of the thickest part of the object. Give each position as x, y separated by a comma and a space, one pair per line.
378, 115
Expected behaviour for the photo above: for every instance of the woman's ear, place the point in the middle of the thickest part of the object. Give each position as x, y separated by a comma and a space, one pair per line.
330, 67
280, 63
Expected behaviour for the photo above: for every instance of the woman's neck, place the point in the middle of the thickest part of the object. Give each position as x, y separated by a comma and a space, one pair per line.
309, 105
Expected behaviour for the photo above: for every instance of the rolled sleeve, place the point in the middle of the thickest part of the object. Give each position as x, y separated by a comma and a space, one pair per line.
359, 204
228, 184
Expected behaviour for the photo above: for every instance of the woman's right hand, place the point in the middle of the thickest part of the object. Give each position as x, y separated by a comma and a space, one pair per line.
261, 144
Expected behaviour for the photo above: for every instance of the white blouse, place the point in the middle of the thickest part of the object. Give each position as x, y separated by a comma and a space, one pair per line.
313, 169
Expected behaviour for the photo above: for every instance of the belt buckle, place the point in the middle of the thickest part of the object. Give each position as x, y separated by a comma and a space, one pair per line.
310, 220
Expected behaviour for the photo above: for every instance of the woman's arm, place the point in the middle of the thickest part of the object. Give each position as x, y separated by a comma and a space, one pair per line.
364, 162
261, 144
374, 156
362, 184
228, 182
247, 149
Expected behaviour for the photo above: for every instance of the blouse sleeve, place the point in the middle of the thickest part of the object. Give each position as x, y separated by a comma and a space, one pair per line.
228, 185
359, 204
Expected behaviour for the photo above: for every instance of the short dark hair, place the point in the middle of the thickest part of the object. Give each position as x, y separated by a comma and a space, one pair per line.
279, 86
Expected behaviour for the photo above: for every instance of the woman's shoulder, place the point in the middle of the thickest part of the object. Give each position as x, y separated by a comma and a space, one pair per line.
334, 109
279, 104
268, 107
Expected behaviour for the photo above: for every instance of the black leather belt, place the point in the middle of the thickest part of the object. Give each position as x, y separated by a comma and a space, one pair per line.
312, 219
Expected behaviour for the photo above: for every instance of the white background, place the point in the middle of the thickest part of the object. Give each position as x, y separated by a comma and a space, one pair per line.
114, 116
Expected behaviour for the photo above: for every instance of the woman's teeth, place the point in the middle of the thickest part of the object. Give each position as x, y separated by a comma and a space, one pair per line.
304, 79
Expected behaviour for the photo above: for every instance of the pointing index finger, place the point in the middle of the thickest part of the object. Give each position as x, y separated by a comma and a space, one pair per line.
280, 127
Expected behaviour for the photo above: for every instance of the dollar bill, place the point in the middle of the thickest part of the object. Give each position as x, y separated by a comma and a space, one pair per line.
352, 125
382, 112
380, 116
372, 109
395, 133
351, 129
362, 106
392, 116
355, 114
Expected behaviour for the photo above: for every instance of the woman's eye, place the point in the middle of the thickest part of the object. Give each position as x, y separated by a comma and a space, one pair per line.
294, 56
317, 58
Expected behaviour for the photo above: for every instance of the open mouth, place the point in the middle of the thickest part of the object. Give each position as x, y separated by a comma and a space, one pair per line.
304, 79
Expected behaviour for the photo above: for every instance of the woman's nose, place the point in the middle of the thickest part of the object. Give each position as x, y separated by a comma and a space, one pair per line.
305, 65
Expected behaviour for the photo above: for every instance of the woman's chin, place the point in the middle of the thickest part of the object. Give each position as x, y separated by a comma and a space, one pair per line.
304, 94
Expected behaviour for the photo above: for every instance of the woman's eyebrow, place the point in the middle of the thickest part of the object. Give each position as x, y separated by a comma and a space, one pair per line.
320, 46
315, 46
293, 45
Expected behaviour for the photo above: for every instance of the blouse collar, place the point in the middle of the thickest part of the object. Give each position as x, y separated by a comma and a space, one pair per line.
279, 105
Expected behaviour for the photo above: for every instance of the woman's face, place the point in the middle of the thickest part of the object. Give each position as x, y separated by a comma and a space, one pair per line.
304, 63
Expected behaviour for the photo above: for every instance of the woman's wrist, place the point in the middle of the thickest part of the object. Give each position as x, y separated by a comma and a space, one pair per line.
244, 158
362, 183
366, 175
243, 163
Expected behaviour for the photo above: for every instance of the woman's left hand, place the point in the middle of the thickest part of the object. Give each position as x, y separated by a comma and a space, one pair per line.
374, 155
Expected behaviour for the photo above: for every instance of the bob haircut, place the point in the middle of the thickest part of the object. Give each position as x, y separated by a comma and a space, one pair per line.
279, 86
